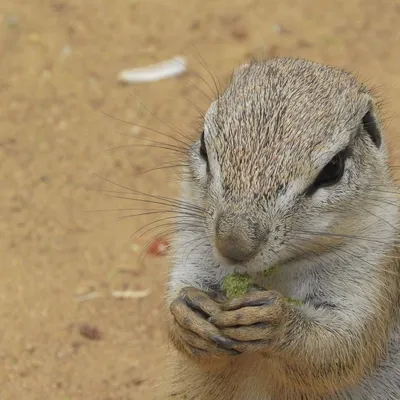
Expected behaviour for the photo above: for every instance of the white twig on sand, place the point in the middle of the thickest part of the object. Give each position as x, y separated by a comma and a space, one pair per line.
130, 294
155, 72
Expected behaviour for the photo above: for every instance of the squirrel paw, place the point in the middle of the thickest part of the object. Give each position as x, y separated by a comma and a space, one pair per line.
192, 332
253, 321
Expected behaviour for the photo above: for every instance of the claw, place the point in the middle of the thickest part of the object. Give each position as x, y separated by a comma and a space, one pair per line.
223, 342
258, 302
200, 301
192, 311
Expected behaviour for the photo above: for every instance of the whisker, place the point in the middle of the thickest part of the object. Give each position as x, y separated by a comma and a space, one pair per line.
196, 107
186, 215
201, 243
350, 254
371, 213
338, 250
157, 142
194, 86
205, 81
328, 234
178, 209
177, 225
204, 64
189, 218
335, 250
165, 123
144, 127
171, 201
147, 201
129, 209
396, 192
177, 150
166, 166
379, 200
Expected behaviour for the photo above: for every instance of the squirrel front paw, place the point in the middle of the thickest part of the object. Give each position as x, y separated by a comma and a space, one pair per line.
254, 321
191, 330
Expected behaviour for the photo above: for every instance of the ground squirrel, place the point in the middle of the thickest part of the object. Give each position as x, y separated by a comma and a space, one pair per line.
291, 170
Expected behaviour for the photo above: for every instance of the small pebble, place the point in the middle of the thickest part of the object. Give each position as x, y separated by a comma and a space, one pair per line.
303, 43
136, 248
279, 29
46, 74
90, 332
12, 21
34, 38
135, 130
195, 25
240, 34
66, 51
62, 125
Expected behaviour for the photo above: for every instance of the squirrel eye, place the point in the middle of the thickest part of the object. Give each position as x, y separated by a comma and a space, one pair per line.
203, 149
331, 174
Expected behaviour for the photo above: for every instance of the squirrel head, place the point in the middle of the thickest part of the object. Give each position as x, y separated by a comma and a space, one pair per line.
291, 160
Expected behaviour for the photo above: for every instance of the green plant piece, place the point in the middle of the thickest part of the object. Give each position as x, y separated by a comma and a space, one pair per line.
296, 302
271, 272
236, 285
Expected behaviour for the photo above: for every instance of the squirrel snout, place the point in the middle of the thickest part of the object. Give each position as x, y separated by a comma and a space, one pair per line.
237, 237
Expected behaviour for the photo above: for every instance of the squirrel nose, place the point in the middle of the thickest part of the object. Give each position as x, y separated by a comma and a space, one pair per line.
237, 237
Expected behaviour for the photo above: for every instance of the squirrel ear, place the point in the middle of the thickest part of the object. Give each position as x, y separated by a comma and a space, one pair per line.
240, 69
371, 125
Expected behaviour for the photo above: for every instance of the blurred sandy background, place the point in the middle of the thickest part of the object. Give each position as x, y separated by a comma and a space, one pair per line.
59, 61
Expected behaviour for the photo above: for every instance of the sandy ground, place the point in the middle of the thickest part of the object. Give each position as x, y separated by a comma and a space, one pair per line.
59, 61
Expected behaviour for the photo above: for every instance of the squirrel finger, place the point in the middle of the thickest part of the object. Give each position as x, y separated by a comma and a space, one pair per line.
198, 345
259, 331
252, 299
248, 316
192, 321
200, 301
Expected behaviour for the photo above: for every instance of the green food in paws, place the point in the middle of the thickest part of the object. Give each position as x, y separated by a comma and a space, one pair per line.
236, 285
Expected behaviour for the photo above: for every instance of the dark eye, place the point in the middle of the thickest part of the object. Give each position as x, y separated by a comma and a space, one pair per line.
203, 149
331, 174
